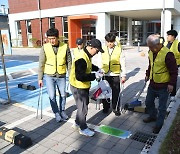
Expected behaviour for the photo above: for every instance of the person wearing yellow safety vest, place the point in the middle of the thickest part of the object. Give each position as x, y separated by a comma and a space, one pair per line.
113, 64
162, 72
54, 59
80, 77
174, 45
79, 48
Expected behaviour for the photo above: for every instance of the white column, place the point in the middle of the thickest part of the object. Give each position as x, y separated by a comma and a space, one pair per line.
176, 26
129, 34
102, 26
165, 22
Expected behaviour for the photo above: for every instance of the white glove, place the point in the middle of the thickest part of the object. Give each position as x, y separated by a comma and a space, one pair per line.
98, 75
101, 71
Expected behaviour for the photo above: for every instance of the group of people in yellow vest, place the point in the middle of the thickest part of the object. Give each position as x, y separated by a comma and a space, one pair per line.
56, 58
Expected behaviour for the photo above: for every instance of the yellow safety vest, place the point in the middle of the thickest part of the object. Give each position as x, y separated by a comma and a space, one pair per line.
72, 78
77, 51
159, 72
174, 49
111, 62
55, 63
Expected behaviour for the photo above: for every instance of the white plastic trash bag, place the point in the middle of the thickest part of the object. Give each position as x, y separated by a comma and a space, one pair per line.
101, 91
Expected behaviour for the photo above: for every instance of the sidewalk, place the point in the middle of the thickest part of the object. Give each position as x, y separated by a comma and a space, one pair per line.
51, 137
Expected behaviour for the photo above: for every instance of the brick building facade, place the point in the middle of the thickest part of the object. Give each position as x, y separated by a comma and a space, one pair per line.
29, 20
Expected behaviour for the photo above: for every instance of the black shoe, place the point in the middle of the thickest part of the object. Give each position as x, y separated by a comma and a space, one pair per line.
105, 110
156, 129
117, 113
149, 119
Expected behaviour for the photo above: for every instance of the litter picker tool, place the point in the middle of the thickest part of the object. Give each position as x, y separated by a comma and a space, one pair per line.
119, 101
137, 102
39, 101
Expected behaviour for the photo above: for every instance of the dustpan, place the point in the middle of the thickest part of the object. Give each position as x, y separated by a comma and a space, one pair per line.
137, 102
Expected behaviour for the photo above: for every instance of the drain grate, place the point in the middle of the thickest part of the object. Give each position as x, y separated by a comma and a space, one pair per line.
144, 137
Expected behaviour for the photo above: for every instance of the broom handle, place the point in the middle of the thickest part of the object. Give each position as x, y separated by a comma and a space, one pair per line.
140, 92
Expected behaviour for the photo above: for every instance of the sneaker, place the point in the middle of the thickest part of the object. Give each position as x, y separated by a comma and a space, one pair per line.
172, 99
58, 117
64, 115
75, 126
149, 119
86, 132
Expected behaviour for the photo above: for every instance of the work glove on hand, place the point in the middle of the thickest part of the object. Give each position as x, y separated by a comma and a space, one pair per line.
101, 71
99, 75
123, 79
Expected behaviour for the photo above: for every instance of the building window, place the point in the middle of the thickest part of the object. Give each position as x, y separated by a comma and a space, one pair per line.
123, 30
65, 29
137, 35
120, 25
18, 25
88, 30
29, 31
51, 22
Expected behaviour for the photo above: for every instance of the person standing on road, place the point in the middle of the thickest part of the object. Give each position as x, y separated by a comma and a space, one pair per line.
113, 64
54, 59
162, 72
80, 77
174, 45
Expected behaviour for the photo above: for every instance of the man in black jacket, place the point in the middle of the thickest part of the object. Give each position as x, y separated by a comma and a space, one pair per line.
80, 80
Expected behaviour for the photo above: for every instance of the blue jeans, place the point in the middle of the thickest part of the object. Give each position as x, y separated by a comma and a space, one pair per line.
51, 83
162, 94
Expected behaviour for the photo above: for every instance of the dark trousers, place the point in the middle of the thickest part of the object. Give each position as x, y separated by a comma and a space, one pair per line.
81, 97
150, 105
114, 82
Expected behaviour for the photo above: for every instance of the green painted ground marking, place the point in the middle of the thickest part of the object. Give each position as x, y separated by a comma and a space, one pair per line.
113, 131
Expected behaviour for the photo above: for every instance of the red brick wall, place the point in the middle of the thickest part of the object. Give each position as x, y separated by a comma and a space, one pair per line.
35, 25
16, 6
24, 33
45, 26
58, 25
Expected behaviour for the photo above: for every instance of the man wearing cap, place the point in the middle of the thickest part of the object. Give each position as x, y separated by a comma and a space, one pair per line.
113, 64
80, 80
80, 45
174, 45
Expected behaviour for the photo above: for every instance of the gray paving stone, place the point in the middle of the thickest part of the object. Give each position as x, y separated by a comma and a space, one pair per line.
60, 147
50, 143
39, 149
68, 140
132, 150
119, 148
137, 145
100, 150
71, 150
89, 148
50, 151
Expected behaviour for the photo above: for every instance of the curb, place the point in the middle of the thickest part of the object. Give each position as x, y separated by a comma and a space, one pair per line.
167, 124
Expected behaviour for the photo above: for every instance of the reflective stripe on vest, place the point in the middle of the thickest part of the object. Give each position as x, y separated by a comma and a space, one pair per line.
55, 63
174, 49
111, 62
159, 72
72, 79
